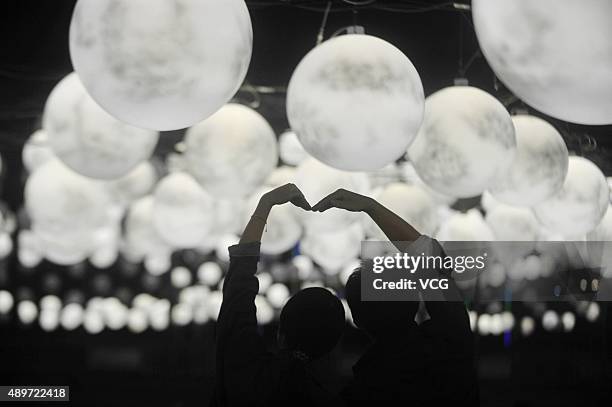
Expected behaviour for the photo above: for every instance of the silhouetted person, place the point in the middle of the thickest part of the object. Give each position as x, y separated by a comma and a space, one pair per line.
311, 324
408, 364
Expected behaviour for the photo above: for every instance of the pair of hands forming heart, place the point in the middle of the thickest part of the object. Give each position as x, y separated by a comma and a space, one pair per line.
340, 198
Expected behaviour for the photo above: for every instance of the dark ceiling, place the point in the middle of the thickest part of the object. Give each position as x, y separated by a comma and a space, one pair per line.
437, 37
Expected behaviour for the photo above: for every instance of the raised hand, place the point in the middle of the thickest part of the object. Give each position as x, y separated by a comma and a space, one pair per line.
344, 199
284, 194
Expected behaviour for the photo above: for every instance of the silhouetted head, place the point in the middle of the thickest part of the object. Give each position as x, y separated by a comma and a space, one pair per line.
378, 318
312, 322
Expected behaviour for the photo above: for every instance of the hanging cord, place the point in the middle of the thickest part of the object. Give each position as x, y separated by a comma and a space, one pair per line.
321, 34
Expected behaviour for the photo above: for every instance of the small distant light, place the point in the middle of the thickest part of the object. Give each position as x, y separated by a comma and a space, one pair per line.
50, 302
27, 312
568, 320
592, 312
595, 285
265, 313
71, 316
209, 273
6, 302
49, 319
550, 320
180, 277
182, 314
527, 326
583, 284
265, 280
93, 322
137, 320
484, 324
277, 294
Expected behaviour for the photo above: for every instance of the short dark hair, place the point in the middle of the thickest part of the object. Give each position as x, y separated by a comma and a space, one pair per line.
312, 321
377, 317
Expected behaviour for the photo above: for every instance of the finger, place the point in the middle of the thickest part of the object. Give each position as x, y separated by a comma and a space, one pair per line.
300, 200
325, 204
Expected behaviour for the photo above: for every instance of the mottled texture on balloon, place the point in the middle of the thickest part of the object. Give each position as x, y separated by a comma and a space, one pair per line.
182, 211
161, 64
355, 102
317, 180
579, 206
333, 250
88, 139
513, 224
539, 167
553, 54
469, 226
290, 149
232, 152
466, 141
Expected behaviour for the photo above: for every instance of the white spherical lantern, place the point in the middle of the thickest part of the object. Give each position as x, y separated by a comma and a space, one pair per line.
89, 140
141, 237
317, 180
290, 148
411, 203
135, 184
282, 231
36, 151
539, 167
466, 141
553, 54
158, 64
232, 152
6, 302
603, 231
333, 250
280, 176
182, 210
579, 206
210, 273
513, 224
469, 226
355, 102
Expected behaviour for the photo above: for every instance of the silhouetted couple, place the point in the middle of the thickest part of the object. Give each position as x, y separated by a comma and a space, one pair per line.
407, 364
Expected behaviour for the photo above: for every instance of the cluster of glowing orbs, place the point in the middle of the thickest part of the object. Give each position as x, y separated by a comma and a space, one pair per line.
553, 54
469, 226
355, 102
581, 203
282, 231
182, 210
232, 152
411, 203
88, 139
158, 64
466, 141
317, 180
539, 167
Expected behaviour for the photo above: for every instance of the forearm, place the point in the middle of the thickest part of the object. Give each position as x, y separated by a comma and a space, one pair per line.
257, 223
394, 227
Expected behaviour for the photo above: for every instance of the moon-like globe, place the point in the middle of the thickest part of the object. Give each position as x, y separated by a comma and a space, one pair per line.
88, 139
539, 167
160, 64
36, 151
141, 237
355, 102
135, 184
182, 211
232, 152
317, 180
513, 223
580, 204
466, 141
469, 226
333, 250
290, 149
553, 54
410, 202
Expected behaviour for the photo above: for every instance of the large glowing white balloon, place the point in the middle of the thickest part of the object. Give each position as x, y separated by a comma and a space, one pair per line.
182, 210
411, 203
469, 226
553, 54
232, 152
466, 141
282, 231
579, 206
136, 184
141, 237
539, 167
36, 151
333, 250
512, 223
290, 149
64, 204
355, 102
317, 180
89, 140
159, 64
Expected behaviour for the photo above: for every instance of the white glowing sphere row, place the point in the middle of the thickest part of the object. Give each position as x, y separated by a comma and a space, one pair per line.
355, 102
232, 152
88, 139
466, 142
553, 54
158, 64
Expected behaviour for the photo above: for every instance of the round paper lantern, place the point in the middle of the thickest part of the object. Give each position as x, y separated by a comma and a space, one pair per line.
232, 152
513, 224
411, 203
158, 64
89, 140
317, 180
36, 151
136, 184
469, 226
333, 250
579, 206
355, 102
553, 54
282, 231
62, 203
409, 175
539, 167
141, 237
290, 149
228, 218
182, 210
467, 140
